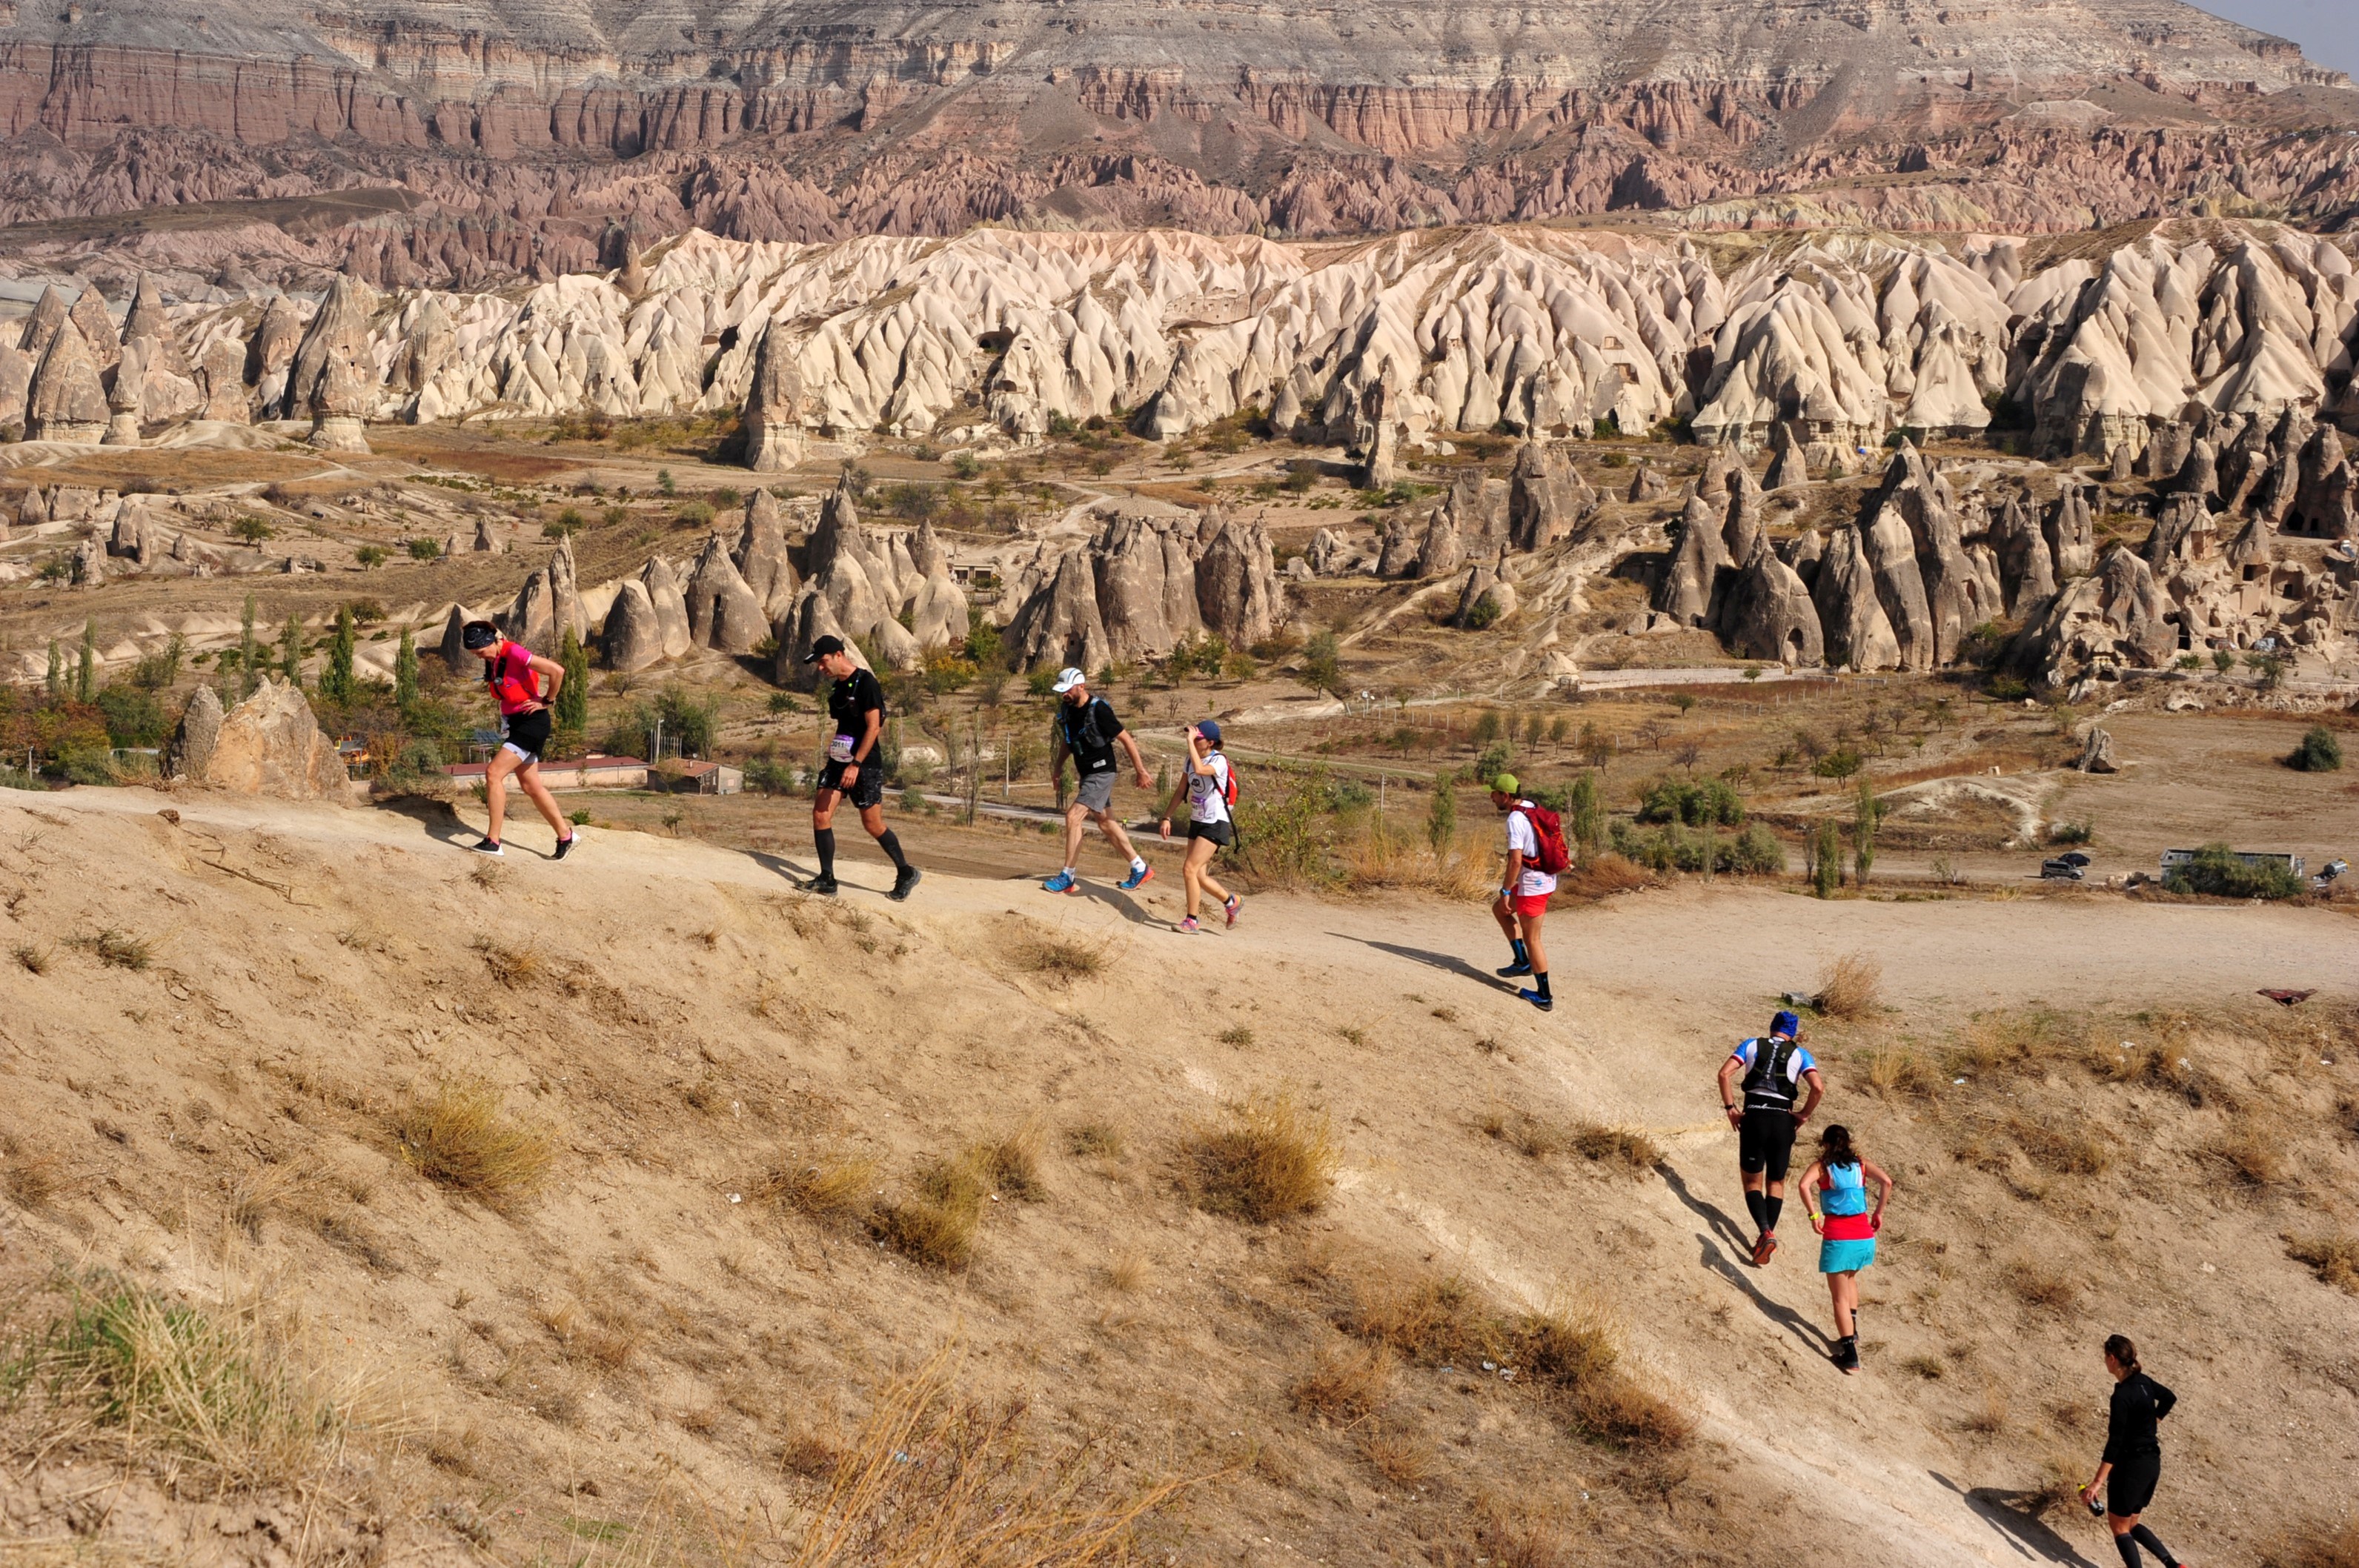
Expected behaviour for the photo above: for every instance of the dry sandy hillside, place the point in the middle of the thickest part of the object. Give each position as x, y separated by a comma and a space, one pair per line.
252, 1052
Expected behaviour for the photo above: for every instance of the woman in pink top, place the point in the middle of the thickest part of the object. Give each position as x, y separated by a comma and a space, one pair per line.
514, 673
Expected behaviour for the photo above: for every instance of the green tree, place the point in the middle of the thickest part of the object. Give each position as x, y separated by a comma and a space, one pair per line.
336, 683
1864, 816
573, 695
1486, 727
86, 668
1321, 670
2319, 752
405, 670
291, 652
1441, 811
56, 682
1826, 860
1588, 814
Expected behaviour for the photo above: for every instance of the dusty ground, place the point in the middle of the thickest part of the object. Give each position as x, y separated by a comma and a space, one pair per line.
684, 1024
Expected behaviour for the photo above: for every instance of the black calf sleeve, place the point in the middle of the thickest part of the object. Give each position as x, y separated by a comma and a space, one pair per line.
1753, 1205
1772, 1207
823, 840
890, 843
1540, 983
2146, 1539
2128, 1549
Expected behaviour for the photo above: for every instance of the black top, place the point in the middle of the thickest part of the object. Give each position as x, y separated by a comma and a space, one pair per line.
850, 700
2139, 1403
1088, 731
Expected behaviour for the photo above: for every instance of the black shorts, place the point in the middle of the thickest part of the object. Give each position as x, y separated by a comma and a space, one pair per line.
526, 735
1221, 834
1765, 1140
868, 789
2131, 1487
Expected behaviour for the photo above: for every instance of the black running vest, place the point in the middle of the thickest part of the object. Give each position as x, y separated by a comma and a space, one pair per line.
1768, 1085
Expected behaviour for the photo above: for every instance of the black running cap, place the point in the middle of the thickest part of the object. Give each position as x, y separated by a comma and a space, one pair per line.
479, 633
822, 647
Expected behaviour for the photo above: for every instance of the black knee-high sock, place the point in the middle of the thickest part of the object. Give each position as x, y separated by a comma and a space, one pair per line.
2146, 1539
1540, 983
2128, 1549
823, 840
1754, 1203
1516, 949
890, 841
1772, 1208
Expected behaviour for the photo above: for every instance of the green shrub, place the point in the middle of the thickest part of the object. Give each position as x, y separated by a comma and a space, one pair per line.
1279, 836
425, 549
1692, 803
2319, 752
2216, 871
1672, 848
1840, 762
133, 716
1484, 614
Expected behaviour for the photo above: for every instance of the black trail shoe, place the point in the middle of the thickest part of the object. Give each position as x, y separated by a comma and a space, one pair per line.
823, 885
905, 883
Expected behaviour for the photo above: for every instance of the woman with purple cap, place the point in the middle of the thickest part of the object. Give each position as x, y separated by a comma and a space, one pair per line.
1210, 788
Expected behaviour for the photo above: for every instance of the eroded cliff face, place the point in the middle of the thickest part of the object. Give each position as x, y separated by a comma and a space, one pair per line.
530, 138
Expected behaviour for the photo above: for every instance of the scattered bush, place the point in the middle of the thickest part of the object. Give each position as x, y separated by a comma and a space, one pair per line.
2334, 1256
1851, 988
2319, 752
462, 1139
1095, 1140
1062, 960
2081, 832
1266, 1161
118, 950
2036, 1284
2217, 872
1692, 803
1345, 1385
935, 1225
830, 1189
2251, 1154
1632, 1150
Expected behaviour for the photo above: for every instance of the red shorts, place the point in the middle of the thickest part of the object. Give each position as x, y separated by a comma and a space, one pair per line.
1533, 905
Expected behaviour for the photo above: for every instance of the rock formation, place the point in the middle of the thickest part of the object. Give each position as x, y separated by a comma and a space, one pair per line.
662, 585
633, 637
1690, 587
268, 744
773, 439
1771, 615
66, 400
1237, 590
722, 613
761, 556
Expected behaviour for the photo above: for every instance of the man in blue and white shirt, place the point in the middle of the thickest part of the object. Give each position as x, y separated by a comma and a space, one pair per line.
1774, 1070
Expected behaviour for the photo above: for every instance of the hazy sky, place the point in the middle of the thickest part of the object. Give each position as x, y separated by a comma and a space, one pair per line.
2327, 30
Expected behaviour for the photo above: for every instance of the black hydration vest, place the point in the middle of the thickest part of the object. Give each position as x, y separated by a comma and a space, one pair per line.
1767, 1086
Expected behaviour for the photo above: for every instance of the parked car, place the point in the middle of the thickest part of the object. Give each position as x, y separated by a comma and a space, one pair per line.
2060, 870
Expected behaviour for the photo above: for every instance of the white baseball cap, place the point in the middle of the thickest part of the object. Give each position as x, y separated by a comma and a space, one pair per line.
1067, 678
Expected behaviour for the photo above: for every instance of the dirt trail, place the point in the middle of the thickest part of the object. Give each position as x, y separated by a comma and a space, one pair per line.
1651, 990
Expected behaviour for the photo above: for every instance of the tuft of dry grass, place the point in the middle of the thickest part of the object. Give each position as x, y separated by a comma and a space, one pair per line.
1900, 1069
1624, 1414
1267, 1161
1929, 1367
460, 1138
2318, 1546
932, 1480
805, 1453
1374, 858
1127, 1273
1631, 1150
1601, 878
1526, 1133
2251, 1154
1010, 1164
2036, 1284
1988, 1417
32, 1177
832, 1189
514, 967
30, 958
1062, 960
2067, 1148
937, 1222
2017, 1043
1851, 988
1402, 1458
215, 1399
1237, 1035
2333, 1255
1095, 1140
1345, 1385
254, 1194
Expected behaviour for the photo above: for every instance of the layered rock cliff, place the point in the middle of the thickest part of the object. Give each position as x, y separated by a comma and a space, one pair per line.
470, 141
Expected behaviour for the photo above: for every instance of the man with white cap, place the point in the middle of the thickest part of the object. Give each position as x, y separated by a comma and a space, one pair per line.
1089, 732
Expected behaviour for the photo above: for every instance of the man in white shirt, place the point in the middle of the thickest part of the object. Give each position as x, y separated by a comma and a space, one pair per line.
1524, 891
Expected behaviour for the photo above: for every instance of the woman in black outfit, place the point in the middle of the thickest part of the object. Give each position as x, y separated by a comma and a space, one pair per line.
2133, 1460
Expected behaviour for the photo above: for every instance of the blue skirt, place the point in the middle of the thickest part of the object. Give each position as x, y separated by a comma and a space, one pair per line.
1842, 1256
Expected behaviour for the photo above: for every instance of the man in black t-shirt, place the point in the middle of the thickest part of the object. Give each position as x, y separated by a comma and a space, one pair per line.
1088, 732
856, 702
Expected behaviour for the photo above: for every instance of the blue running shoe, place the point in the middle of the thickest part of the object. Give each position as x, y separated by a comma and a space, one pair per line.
1543, 1003
1062, 882
1521, 966
1137, 880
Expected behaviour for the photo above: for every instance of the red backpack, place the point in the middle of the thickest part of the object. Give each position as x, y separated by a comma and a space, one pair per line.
1554, 854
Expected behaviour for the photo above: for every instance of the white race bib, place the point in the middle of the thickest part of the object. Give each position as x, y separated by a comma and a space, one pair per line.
840, 749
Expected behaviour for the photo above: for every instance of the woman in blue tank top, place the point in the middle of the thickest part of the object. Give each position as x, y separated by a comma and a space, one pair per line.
1834, 1193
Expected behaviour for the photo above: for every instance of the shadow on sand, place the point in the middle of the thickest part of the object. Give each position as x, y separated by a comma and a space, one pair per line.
1713, 1257
2010, 1514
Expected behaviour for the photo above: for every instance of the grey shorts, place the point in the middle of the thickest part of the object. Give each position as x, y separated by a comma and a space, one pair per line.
1097, 792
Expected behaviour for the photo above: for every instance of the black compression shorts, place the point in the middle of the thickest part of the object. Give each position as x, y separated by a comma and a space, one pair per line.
526, 735
867, 789
1765, 1139
2131, 1486
1221, 834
